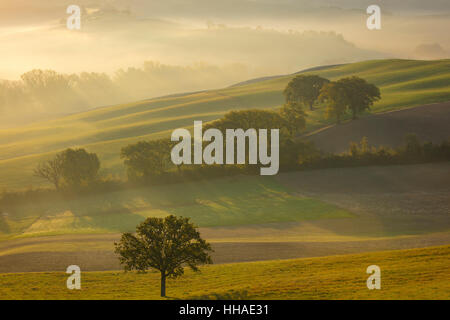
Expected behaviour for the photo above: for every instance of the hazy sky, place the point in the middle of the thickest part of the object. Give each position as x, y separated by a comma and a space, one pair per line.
264, 36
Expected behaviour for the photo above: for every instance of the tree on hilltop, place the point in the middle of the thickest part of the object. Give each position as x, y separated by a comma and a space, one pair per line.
336, 98
304, 89
360, 94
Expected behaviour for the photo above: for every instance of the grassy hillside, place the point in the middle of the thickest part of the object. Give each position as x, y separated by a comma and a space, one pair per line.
225, 202
296, 214
405, 274
429, 122
319, 205
403, 83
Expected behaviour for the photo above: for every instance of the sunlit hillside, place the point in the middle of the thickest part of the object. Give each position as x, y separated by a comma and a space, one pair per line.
403, 83
233, 202
335, 277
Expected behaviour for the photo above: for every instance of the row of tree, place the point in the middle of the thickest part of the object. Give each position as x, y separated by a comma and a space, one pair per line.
169, 244
49, 92
352, 94
362, 154
149, 161
46, 91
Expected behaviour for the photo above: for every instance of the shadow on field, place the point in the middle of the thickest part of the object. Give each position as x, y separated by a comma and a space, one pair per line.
389, 200
226, 252
111, 219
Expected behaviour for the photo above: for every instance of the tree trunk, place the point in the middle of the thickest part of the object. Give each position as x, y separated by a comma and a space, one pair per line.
163, 285
311, 106
56, 185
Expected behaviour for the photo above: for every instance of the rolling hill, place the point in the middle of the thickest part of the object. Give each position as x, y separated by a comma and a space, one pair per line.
429, 122
295, 214
225, 202
403, 83
405, 274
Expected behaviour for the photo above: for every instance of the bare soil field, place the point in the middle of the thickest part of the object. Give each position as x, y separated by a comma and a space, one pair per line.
225, 252
396, 207
399, 200
420, 190
429, 122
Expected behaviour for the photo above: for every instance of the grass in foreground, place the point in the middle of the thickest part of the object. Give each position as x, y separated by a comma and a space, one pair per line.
405, 274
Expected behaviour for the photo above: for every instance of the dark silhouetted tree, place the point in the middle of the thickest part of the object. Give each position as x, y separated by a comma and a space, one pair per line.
360, 94
304, 89
335, 95
51, 170
165, 244
50, 90
294, 115
79, 167
147, 158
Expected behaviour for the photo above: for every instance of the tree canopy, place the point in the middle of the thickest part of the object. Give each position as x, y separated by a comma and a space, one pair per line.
354, 94
294, 117
337, 101
360, 94
304, 89
73, 167
79, 167
165, 244
147, 158
247, 119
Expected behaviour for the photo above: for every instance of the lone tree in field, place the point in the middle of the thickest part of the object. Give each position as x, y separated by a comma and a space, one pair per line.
165, 244
304, 89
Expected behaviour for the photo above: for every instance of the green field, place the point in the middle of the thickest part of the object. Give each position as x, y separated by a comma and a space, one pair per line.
403, 83
405, 274
225, 202
246, 218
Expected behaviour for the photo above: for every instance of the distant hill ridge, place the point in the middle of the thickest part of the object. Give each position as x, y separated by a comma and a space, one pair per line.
256, 80
403, 83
